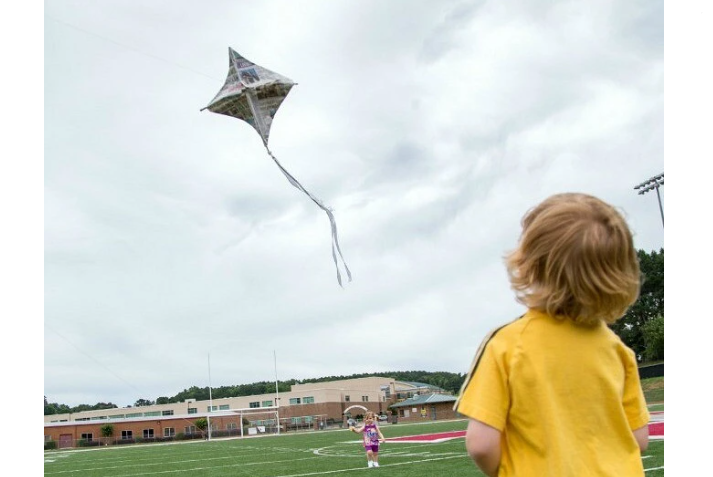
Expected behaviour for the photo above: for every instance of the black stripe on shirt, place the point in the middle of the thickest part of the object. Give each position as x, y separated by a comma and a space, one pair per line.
476, 360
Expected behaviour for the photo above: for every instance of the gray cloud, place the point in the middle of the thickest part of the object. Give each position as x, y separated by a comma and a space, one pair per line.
429, 128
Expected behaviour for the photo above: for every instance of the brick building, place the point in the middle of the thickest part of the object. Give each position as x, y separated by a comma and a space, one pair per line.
423, 407
309, 405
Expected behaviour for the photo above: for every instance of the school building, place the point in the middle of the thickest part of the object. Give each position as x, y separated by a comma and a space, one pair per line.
306, 406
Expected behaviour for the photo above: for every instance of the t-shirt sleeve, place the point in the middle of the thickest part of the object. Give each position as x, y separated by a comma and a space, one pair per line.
485, 396
634, 402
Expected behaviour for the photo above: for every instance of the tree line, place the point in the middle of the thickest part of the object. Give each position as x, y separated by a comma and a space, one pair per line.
641, 328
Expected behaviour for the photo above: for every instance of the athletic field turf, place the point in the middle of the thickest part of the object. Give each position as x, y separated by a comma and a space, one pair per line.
423, 450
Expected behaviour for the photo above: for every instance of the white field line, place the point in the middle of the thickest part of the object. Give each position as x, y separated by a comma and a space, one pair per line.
653, 468
403, 450
235, 453
123, 466
363, 468
326, 472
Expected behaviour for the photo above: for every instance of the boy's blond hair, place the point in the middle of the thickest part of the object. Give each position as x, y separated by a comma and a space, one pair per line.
576, 259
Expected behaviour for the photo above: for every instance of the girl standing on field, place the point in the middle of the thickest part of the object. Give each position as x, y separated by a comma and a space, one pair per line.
372, 436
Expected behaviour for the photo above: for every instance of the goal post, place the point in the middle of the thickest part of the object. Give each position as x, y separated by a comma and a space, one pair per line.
246, 422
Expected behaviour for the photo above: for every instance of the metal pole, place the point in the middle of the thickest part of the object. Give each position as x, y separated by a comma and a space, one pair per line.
210, 397
659, 197
277, 394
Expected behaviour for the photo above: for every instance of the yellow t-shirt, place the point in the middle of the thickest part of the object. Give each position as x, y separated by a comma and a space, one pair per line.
566, 398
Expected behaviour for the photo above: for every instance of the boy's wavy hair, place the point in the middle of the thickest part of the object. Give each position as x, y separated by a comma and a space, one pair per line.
576, 260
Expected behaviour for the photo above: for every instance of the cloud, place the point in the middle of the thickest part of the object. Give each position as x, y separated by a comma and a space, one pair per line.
429, 128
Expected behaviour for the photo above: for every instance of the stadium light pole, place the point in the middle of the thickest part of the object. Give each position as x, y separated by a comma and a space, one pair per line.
654, 183
277, 393
210, 397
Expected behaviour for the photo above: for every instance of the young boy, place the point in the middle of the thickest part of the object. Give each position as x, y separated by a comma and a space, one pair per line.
372, 436
556, 392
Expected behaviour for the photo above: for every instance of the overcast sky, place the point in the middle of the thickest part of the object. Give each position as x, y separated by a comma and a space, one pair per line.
177, 254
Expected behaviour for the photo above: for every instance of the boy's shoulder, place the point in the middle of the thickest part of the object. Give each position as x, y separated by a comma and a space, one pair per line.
539, 325
514, 326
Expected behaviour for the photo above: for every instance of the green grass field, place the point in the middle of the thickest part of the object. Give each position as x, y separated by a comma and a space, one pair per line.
312, 453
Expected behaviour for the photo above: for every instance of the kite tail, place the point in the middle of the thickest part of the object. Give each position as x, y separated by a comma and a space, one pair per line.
335, 241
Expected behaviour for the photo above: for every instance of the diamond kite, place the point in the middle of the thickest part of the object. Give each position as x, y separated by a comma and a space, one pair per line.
253, 93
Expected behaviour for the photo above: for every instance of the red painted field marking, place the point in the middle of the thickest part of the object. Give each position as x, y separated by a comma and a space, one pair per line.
655, 431
428, 438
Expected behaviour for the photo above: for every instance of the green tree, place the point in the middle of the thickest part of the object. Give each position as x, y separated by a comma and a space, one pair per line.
107, 430
649, 305
54, 408
653, 339
143, 402
201, 424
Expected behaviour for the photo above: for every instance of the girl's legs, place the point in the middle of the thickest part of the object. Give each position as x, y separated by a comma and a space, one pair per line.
375, 458
369, 458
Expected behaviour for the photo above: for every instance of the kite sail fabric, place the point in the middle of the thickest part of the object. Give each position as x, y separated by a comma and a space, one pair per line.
253, 93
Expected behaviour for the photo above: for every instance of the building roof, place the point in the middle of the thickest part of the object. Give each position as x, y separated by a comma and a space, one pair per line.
424, 399
415, 385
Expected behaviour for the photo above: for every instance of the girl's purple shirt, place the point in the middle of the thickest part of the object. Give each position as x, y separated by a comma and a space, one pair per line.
371, 435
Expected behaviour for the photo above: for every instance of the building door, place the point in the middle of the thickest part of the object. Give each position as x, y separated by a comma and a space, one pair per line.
433, 413
66, 440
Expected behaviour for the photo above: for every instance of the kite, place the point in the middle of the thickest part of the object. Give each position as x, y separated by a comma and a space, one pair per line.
253, 93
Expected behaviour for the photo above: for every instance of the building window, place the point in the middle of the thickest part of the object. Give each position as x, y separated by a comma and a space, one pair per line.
224, 407
296, 420
266, 403
365, 398
294, 400
148, 433
308, 400
190, 430
169, 432
135, 414
88, 437
127, 435
48, 438
192, 410
346, 398
255, 404
232, 426
212, 408
167, 413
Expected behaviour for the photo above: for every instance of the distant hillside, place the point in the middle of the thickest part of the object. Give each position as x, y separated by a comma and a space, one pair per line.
448, 381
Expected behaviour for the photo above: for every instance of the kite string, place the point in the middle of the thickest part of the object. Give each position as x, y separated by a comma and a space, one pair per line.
335, 241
